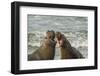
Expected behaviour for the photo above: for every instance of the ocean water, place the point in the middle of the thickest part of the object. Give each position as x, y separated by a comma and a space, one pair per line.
73, 27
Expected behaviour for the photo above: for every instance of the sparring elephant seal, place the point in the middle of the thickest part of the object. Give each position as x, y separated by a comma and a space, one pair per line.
47, 49
67, 51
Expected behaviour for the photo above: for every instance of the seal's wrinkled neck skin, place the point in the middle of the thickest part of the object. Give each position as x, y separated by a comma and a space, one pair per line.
47, 43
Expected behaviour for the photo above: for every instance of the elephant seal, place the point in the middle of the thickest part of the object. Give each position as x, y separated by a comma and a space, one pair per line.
67, 51
47, 49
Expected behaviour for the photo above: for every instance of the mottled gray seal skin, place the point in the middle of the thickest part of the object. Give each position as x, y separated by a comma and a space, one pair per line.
47, 49
67, 51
